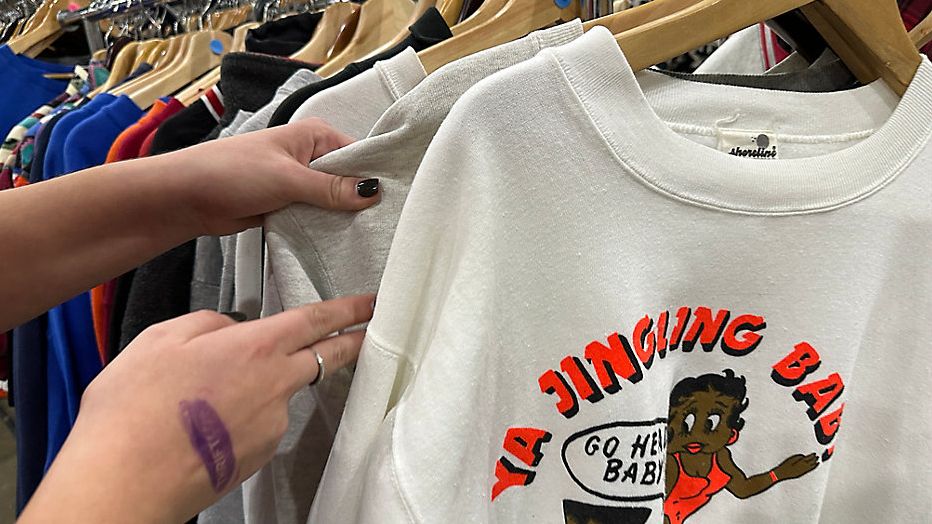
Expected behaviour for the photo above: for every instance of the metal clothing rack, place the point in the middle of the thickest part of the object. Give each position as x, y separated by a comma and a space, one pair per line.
98, 11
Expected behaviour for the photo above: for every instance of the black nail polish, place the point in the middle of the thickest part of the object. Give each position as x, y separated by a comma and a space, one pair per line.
368, 187
235, 315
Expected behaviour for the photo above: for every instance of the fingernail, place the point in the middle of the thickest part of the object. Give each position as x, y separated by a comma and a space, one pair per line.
368, 187
235, 315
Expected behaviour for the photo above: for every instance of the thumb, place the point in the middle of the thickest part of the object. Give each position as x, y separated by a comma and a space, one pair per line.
313, 138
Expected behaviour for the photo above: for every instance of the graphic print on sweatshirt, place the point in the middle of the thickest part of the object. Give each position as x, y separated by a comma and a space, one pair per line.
683, 457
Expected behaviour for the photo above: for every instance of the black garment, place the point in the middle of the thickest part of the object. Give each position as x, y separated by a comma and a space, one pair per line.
283, 37
143, 68
186, 128
42, 144
429, 29
120, 299
248, 81
161, 290
114, 50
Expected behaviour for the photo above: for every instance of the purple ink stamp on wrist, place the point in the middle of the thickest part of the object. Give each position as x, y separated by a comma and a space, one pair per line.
211, 440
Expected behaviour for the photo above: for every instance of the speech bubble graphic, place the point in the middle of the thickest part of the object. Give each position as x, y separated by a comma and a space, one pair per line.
620, 460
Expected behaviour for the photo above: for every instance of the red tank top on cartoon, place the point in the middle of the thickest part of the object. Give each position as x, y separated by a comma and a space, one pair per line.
691, 493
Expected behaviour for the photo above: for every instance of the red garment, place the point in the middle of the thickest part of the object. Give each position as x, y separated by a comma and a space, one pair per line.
912, 11
146, 148
915, 11
691, 493
129, 144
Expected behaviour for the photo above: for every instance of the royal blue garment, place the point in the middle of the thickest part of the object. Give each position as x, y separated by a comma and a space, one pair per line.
24, 88
54, 161
30, 357
74, 359
88, 143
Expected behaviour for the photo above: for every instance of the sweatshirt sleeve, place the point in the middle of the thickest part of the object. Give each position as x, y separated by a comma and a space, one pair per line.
437, 220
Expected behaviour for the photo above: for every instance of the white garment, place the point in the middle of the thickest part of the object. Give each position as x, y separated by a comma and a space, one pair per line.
558, 206
361, 100
314, 251
282, 491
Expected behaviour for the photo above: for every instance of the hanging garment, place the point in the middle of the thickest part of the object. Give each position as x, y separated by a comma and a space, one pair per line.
74, 359
372, 92
313, 252
428, 30
283, 37
24, 87
634, 272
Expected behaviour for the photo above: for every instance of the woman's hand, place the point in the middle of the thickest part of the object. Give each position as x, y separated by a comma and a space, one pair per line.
243, 177
67, 235
190, 409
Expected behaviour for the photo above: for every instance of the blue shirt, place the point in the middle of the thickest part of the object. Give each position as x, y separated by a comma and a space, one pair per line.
24, 88
74, 359
54, 161
88, 143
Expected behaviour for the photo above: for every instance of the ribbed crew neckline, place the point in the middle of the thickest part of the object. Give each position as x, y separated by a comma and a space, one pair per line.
598, 72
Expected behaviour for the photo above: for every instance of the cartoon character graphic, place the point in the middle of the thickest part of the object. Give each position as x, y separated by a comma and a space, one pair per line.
705, 419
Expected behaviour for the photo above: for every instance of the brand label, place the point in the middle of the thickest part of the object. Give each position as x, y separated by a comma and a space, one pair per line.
749, 144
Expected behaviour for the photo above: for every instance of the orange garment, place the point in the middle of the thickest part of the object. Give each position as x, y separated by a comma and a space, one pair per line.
100, 308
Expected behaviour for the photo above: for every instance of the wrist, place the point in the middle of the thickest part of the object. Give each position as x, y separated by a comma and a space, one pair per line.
773, 476
170, 197
106, 474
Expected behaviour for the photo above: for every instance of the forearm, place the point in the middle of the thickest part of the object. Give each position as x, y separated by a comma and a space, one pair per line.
67, 235
105, 475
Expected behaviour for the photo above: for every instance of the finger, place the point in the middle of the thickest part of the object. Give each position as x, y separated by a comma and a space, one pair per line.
327, 138
341, 193
193, 324
312, 138
301, 327
336, 352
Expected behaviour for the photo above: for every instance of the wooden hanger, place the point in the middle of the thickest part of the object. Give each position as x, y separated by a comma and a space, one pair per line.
156, 52
515, 20
191, 93
199, 58
177, 46
420, 8
485, 12
122, 67
325, 35
379, 22
45, 25
637, 16
239, 36
37, 16
345, 35
449, 10
145, 49
921, 34
868, 35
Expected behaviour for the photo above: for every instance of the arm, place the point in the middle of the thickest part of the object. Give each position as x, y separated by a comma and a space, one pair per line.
743, 486
189, 410
64, 236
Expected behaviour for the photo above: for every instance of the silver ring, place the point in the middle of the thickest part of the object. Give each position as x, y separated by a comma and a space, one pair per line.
320, 369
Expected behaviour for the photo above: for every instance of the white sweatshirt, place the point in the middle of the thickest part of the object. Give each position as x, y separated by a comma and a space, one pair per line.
582, 271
